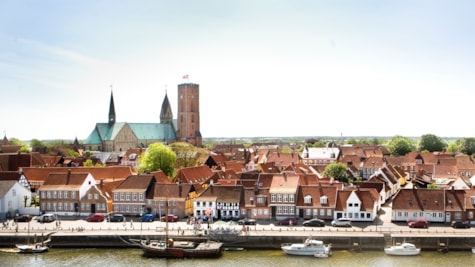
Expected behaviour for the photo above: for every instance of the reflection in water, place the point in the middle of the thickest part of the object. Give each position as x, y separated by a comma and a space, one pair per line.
133, 257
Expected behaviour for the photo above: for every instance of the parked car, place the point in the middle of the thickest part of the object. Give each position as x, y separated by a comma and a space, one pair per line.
171, 218
47, 217
314, 222
116, 218
247, 221
460, 224
420, 223
96, 217
22, 218
288, 221
147, 218
341, 222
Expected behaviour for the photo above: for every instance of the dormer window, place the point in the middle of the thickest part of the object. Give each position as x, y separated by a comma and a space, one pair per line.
307, 199
323, 200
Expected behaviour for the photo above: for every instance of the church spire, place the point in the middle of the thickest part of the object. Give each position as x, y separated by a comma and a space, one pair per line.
111, 109
166, 115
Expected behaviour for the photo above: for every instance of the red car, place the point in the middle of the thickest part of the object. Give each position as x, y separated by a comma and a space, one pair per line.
171, 218
96, 217
421, 223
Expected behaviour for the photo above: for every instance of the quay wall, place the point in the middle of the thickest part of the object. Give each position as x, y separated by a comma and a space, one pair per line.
339, 241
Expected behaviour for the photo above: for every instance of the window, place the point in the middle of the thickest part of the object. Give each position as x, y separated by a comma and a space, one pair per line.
141, 197
291, 198
307, 199
14, 192
273, 198
48, 194
122, 196
127, 197
73, 194
96, 196
116, 196
89, 196
60, 194
66, 194
134, 196
279, 198
323, 200
285, 198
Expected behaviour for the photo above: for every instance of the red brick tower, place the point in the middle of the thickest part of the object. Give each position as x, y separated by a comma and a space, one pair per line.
189, 114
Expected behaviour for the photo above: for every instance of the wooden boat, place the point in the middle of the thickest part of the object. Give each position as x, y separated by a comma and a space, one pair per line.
310, 247
181, 249
404, 249
169, 248
34, 247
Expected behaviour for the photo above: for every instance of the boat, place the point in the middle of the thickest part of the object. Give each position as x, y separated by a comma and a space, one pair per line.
170, 248
181, 249
310, 247
473, 250
404, 249
34, 247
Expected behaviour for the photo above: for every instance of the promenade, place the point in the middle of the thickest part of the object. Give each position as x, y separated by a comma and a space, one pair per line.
79, 233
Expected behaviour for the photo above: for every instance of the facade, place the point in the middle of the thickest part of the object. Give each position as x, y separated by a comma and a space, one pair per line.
283, 195
133, 196
63, 193
14, 198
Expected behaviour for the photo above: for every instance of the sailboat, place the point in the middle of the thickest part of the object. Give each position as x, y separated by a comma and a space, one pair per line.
170, 248
35, 247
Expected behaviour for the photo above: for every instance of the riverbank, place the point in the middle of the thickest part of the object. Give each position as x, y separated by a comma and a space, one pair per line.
252, 237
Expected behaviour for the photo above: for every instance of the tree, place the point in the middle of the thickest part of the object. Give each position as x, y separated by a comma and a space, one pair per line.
187, 154
453, 146
336, 171
431, 143
400, 145
158, 157
467, 146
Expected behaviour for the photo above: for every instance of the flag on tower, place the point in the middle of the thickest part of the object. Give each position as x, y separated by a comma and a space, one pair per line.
185, 77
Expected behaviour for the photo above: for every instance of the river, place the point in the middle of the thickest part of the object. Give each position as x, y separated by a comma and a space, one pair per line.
133, 257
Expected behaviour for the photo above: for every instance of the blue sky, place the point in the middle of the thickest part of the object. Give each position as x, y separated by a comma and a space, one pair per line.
265, 68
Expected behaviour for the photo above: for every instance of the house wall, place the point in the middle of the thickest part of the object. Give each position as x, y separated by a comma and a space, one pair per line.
129, 202
412, 215
13, 201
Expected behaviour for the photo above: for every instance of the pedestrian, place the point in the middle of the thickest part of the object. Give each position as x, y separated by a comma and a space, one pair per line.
131, 223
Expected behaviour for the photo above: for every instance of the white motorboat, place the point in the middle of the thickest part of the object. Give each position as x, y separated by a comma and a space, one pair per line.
404, 249
310, 247
473, 250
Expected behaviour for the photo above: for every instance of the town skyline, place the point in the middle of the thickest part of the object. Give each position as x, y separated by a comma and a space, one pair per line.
265, 69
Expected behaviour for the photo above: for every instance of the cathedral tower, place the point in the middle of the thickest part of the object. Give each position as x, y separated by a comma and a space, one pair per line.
188, 120
111, 111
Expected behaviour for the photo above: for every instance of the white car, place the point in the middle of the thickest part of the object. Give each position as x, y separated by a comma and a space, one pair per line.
341, 222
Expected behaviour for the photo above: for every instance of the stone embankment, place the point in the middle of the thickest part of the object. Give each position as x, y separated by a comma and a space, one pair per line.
107, 235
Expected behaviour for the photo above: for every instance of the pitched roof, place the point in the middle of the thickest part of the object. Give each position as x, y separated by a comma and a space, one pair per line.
419, 199
137, 181
105, 173
64, 180
284, 184
5, 187
224, 193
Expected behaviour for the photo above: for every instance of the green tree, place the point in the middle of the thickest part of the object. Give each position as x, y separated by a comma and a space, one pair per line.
158, 157
467, 146
186, 154
431, 143
336, 171
400, 145
88, 163
453, 146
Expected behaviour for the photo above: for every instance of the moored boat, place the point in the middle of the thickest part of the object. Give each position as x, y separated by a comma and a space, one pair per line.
310, 247
32, 248
181, 249
404, 249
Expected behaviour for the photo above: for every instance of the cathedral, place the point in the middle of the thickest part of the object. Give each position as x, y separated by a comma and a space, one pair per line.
114, 136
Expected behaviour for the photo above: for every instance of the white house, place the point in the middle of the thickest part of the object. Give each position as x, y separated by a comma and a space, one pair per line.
14, 199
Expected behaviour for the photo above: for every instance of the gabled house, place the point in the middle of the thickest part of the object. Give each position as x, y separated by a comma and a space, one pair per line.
320, 155
134, 195
283, 195
283, 160
220, 202
71, 193
172, 198
198, 176
455, 209
357, 204
413, 204
317, 201
14, 199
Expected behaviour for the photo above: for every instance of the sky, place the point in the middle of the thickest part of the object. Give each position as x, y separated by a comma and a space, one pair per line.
265, 68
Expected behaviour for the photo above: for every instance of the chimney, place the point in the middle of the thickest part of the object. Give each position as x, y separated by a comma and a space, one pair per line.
68, 176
